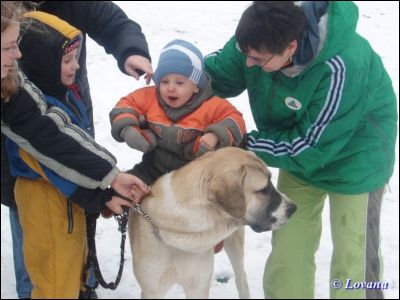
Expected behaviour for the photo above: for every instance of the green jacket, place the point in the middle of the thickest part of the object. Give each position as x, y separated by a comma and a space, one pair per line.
333, 124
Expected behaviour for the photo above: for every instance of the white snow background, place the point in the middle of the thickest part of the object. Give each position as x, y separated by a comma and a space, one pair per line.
209, 25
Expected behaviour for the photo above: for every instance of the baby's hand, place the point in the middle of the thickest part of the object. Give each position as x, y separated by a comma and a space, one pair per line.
210, 140
143, 140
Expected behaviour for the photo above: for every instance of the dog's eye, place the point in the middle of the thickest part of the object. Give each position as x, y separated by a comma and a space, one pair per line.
265, 190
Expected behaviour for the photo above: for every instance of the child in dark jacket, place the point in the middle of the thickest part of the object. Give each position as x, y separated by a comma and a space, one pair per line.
177, 120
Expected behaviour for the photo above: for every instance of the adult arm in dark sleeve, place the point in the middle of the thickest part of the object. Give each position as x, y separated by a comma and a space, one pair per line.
110, 27
49, 135
104, 22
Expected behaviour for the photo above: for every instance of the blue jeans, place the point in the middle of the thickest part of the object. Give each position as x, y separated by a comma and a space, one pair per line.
23, 283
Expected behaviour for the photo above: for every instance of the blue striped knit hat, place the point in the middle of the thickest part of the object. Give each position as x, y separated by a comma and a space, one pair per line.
181, 57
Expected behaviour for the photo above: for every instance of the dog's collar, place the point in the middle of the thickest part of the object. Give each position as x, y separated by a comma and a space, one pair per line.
138, 209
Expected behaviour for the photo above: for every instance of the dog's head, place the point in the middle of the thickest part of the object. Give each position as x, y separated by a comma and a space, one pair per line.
241, 184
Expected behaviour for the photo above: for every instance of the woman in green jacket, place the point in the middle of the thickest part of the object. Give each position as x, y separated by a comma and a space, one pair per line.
326, 115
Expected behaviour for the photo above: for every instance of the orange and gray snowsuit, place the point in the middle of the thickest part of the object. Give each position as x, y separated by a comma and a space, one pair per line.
177, 130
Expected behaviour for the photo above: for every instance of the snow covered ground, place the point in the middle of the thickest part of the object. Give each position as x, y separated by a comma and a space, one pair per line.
209, 25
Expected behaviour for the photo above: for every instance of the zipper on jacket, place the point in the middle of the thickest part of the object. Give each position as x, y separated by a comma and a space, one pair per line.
271, 95
70, 216
168, 159
74, 109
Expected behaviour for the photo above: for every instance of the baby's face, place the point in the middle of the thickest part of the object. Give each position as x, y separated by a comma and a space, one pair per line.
177, 89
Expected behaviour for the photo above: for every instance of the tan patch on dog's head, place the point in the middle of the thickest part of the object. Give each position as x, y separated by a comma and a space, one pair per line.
227, 183
226, 189
228, 177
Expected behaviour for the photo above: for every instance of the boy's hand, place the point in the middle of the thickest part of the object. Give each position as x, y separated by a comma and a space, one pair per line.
142, 140
130, 186
116, 205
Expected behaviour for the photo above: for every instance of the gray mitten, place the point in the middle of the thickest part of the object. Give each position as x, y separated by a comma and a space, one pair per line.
137, 139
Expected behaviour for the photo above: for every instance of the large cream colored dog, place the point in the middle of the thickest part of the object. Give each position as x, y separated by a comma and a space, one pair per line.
194, 208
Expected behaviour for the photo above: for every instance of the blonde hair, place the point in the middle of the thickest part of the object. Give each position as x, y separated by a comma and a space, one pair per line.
11, 12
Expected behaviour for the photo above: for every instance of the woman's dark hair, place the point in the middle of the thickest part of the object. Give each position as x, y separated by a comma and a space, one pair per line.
270, 26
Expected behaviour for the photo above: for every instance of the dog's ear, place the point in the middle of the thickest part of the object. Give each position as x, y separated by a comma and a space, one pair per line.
226, 189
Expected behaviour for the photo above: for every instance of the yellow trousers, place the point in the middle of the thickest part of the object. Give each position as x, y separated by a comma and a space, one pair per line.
54, 252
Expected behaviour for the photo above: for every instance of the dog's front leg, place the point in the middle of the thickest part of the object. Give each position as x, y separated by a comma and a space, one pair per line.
200, 290
234, 248
197, 273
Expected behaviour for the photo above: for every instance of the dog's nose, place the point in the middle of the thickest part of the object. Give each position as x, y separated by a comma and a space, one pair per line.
290, 210
256, 228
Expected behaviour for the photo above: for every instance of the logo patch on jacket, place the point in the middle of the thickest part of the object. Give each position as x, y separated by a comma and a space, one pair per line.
292, 103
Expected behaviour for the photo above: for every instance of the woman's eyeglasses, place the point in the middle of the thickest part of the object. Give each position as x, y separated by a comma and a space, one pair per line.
259, 63
256, 61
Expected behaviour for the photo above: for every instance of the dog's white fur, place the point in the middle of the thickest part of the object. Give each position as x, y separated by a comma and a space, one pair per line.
194, 208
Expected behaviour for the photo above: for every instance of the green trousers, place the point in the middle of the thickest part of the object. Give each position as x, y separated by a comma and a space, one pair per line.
290, 269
